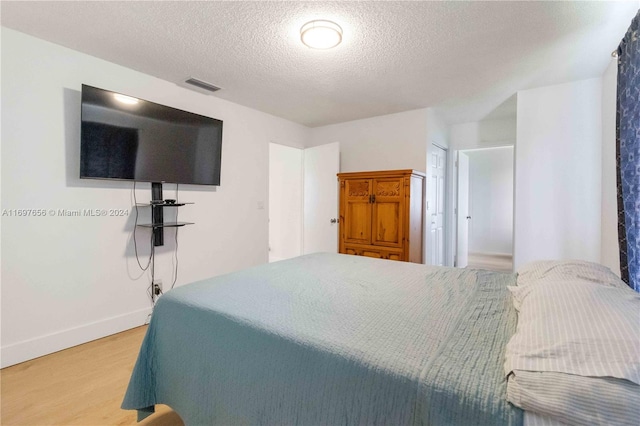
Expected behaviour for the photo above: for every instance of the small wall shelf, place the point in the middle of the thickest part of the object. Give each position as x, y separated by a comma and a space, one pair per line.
163, 204
165, 224
157, 214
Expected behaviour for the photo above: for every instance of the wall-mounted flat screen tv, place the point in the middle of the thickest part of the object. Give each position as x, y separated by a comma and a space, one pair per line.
123, 137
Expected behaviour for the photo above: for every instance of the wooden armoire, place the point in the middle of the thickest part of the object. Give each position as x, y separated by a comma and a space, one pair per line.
381, 214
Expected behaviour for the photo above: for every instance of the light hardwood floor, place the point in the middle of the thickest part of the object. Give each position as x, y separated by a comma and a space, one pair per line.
499, 263
83, 385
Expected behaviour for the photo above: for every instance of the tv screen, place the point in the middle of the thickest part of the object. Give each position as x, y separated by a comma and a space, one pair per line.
129, 138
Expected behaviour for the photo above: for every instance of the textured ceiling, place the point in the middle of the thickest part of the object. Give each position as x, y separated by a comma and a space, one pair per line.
464, 58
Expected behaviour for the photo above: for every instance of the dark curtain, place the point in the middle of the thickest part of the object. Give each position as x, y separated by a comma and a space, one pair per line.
628, 154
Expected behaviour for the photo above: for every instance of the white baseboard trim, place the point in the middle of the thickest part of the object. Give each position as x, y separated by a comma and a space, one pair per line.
33, 348
504, 255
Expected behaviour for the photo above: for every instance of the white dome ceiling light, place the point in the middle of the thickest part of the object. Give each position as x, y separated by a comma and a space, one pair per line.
321, 34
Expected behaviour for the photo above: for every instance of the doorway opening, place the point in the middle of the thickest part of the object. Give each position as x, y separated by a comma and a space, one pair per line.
285, 202
485, 208
303, 200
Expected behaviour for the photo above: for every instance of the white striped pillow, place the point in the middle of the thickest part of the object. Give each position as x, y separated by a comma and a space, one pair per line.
575, 400
576, 327
563, 270
576, 341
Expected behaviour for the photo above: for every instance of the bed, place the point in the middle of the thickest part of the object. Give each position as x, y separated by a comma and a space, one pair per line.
332, 339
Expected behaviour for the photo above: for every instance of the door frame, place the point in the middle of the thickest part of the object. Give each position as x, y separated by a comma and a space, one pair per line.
454, 238
456, 210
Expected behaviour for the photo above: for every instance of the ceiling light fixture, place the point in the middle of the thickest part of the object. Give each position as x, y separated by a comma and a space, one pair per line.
126, 99
321, 34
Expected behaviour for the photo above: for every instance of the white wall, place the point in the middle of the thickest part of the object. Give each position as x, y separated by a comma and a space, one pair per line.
437, 130
484, 134
67, 280
491, 200
610, 250
558, 172
285, 202
388, 142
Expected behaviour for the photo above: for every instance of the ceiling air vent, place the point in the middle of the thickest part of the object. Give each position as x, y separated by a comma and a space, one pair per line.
202, 84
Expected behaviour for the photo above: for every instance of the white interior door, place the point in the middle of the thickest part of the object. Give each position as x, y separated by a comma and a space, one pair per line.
463, 215
285, 202
491, 202
435, 205
320, 211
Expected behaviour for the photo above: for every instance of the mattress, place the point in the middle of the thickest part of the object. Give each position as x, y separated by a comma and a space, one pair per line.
331, 339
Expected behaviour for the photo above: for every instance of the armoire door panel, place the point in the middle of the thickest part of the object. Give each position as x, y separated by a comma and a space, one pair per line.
388, 212
388, 188
387, 229
357, 222
358, 189
357, 211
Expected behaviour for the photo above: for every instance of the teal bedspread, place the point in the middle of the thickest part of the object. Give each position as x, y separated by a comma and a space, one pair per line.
329, 339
